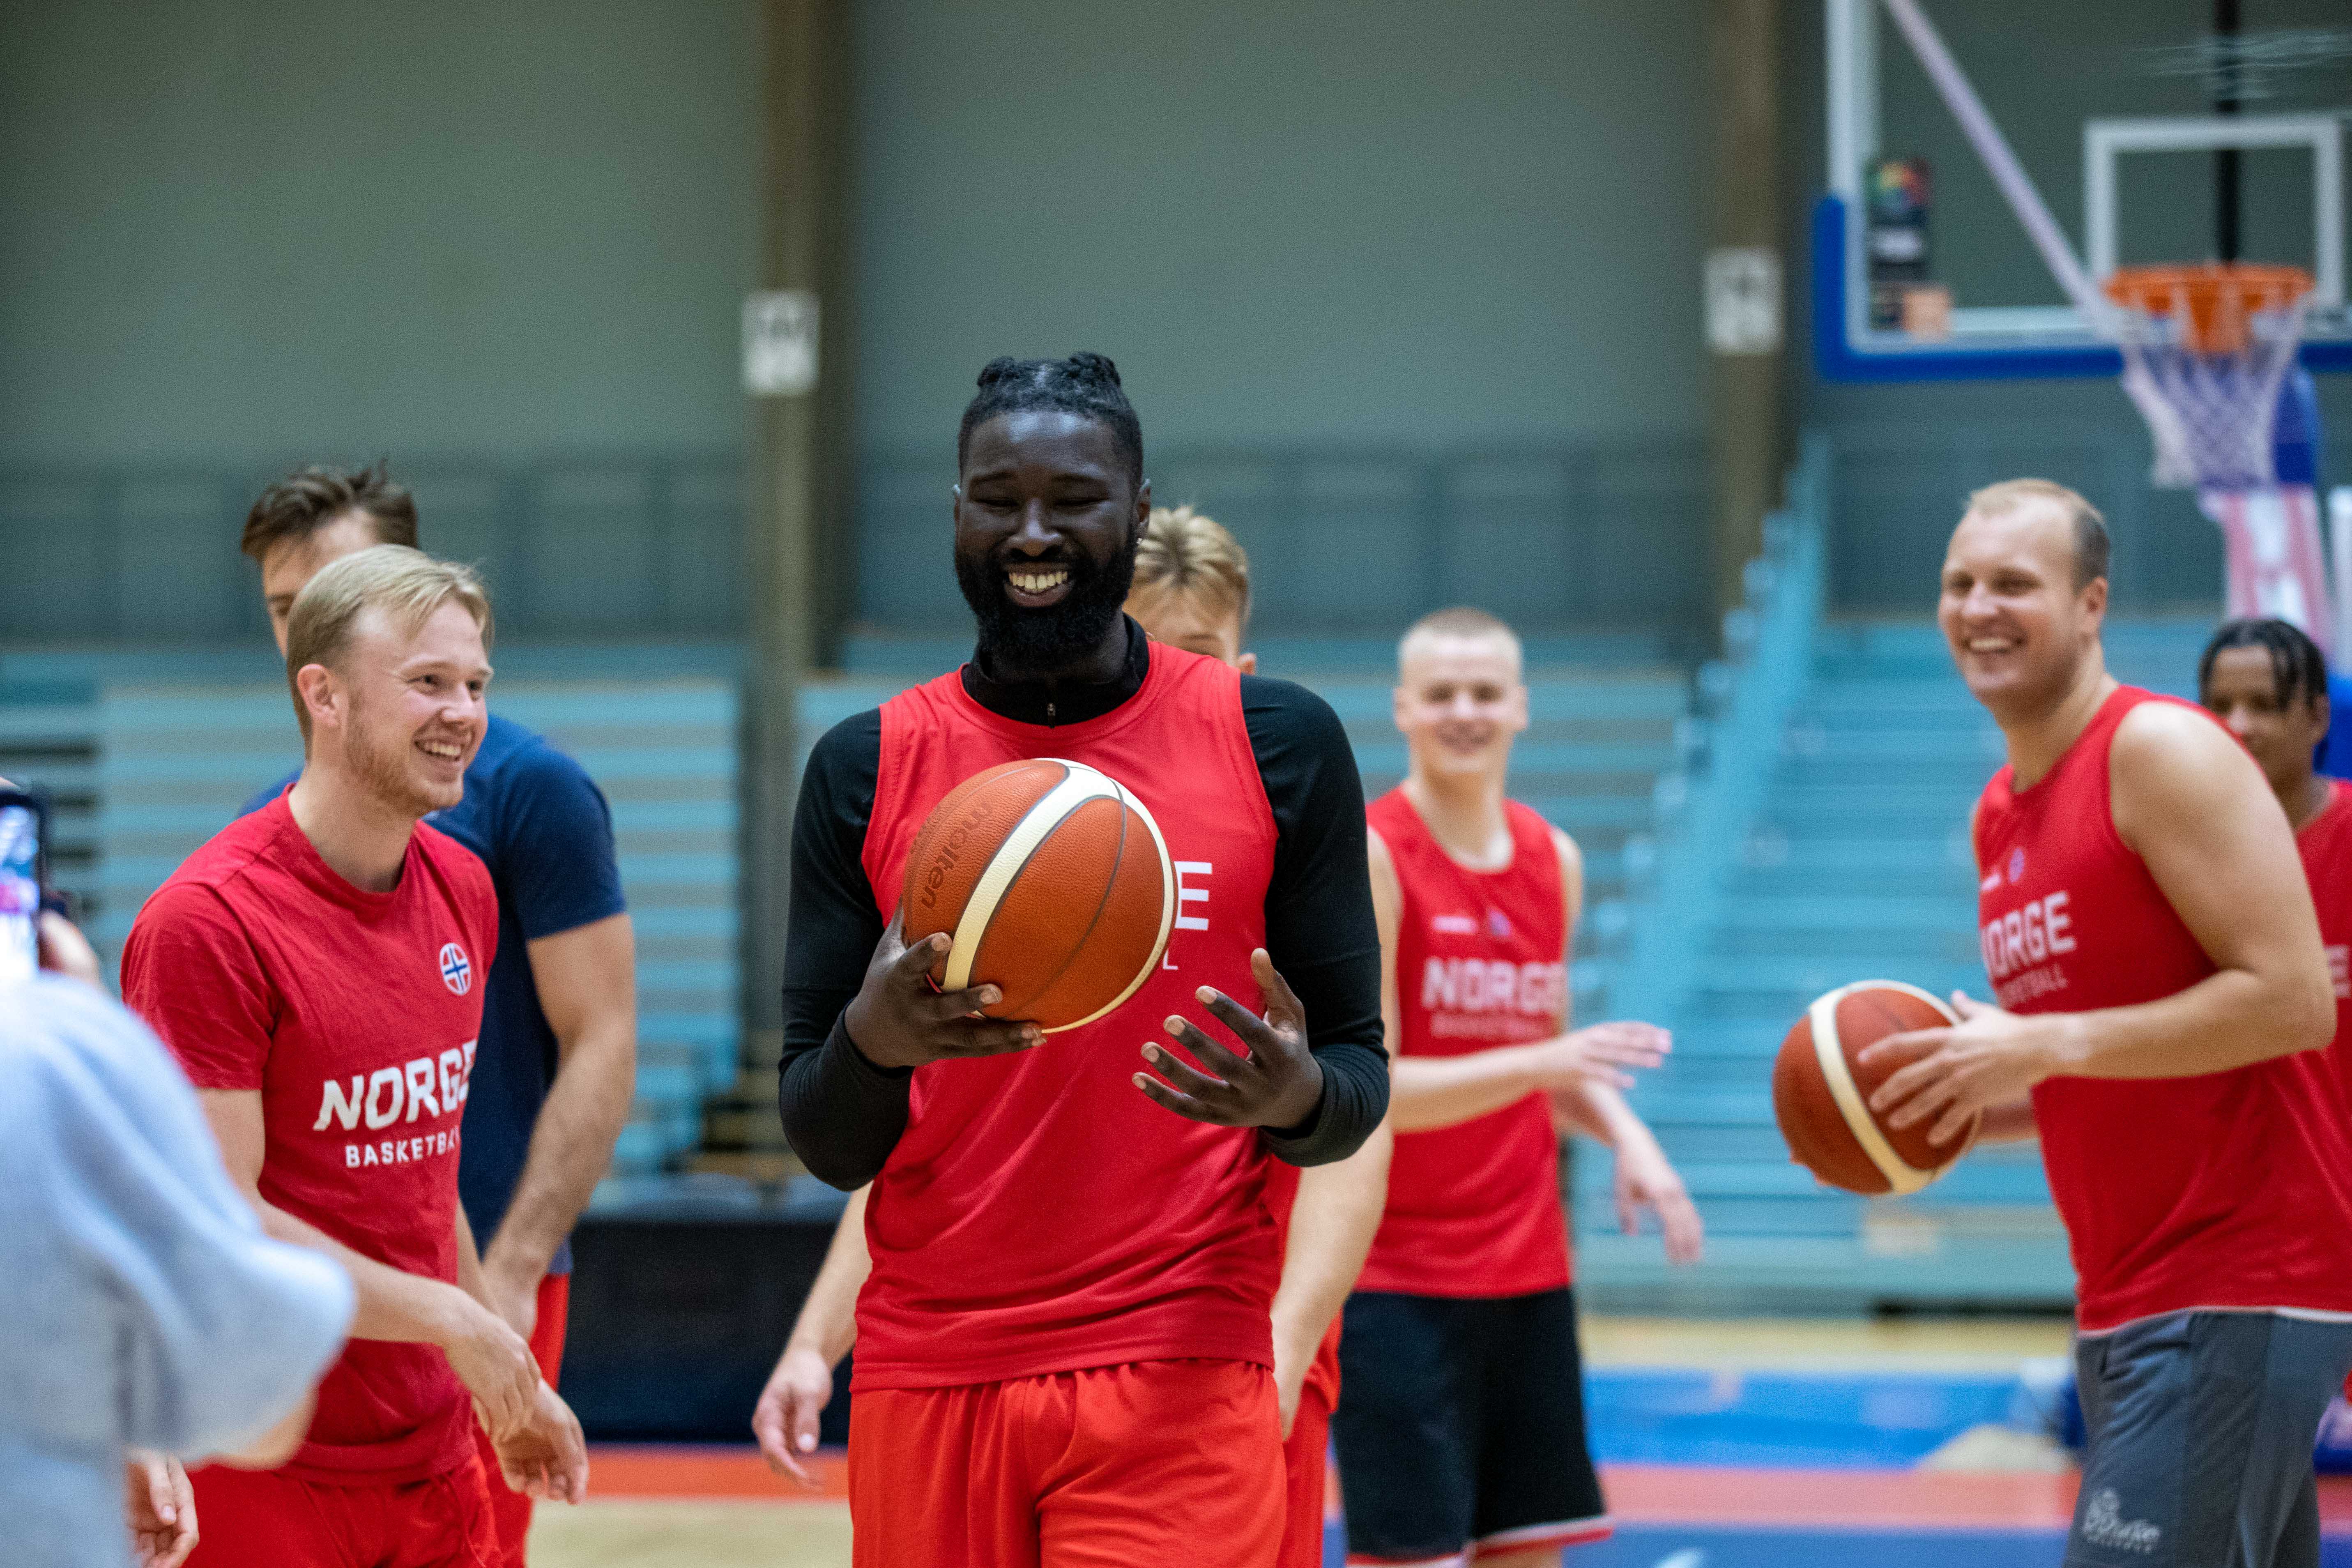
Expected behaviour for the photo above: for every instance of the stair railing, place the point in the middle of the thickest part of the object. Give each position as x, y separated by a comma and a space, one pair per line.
1678, 878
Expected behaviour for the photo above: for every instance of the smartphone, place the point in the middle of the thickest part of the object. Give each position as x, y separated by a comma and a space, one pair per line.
24, 875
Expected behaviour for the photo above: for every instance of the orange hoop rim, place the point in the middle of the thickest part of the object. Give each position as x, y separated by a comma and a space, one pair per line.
2215, 301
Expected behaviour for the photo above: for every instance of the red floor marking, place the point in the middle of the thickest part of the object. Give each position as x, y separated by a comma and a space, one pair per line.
661, 1471
1638, 1494
1693, 1494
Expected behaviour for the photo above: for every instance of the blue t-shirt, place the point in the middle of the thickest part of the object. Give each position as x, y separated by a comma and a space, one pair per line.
541, 824
2335, 755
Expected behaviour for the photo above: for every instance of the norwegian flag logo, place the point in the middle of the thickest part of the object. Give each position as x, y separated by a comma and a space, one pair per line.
456, 969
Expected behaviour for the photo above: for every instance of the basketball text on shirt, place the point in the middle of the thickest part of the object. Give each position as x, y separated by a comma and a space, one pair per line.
1481, 998
1187, 894
2017, 946
432, 1086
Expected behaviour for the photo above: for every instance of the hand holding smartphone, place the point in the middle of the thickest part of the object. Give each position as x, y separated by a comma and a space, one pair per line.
23, 876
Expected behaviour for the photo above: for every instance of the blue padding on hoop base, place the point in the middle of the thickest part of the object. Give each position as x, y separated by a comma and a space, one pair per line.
1838, 360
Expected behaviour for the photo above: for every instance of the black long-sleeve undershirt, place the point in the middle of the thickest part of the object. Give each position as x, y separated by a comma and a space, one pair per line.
843, 1115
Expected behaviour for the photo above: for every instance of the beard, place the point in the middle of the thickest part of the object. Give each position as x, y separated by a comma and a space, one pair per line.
1014, 638
379, 755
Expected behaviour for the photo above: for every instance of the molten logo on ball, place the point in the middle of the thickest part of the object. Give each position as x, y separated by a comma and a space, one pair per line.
1053, 884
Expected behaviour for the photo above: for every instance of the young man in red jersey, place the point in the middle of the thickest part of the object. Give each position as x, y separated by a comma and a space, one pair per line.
1192, 592
2267, 680
315, 968
2158, 969
1064, 1347
1462, 1435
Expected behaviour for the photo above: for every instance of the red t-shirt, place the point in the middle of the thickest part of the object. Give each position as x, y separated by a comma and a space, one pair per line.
2227, 1190
355, 1015
1039, 1214
2326, 845
1473, 1209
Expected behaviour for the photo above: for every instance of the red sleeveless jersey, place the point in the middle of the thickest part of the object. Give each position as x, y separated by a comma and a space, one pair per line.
2227, 1190
2326, 845
1039, 1214
1473, 1209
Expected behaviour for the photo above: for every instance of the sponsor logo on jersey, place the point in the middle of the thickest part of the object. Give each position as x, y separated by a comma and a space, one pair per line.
2017, 865
1454, 925
2103, 1525
1498, 925
457, 969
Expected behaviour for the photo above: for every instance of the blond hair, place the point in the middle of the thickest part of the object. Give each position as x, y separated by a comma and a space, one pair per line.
1462, 621
2092, 543
406, 584
1187, 554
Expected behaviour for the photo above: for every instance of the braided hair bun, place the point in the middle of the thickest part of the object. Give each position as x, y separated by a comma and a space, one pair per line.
1086, 383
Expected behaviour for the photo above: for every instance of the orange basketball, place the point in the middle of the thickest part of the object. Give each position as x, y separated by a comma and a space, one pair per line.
1822, 1095
1054, 885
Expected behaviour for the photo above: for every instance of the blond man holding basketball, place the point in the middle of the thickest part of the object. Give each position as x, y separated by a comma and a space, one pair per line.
1191, 591
2152, 945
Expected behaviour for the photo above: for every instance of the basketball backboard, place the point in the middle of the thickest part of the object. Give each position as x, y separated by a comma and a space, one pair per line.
2166, 130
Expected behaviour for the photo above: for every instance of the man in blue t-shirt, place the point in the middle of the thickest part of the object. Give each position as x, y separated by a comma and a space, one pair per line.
556, 1067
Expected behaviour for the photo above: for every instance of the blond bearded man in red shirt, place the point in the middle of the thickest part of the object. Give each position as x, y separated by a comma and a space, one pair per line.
315, 969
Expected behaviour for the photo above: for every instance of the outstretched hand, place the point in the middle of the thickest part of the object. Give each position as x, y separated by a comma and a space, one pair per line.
900, 1018
1275, 1082
1606, 1053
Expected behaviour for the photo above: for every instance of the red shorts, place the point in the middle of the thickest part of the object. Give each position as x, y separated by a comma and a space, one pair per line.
248, 1518
1304, 1460
512, 1507
1164, 1461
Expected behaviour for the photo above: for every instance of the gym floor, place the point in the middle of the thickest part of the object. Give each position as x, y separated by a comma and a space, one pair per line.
1988, 1496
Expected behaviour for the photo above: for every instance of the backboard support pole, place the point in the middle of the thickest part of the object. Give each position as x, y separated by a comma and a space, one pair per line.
2226, 165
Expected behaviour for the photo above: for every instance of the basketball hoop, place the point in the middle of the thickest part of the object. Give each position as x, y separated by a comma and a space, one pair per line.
2205, 349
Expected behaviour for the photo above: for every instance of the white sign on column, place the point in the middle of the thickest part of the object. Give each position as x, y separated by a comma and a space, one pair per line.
779, 342
1743, 299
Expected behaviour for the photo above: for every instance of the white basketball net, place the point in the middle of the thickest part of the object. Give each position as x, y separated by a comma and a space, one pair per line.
2212, 415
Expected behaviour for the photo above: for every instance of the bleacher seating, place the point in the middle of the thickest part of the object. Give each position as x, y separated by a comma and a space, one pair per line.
1609, 719
1856, 866
144, 768
150, 753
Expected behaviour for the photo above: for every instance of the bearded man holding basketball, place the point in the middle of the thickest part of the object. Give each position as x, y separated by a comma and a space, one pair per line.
1191, 591
2152, 943
1064, 1347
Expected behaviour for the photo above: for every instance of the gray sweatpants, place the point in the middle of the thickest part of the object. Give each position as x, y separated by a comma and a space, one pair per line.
2201, 1430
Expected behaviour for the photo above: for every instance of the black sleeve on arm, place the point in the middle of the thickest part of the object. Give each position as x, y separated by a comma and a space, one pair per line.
1319, 929
843, 1115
